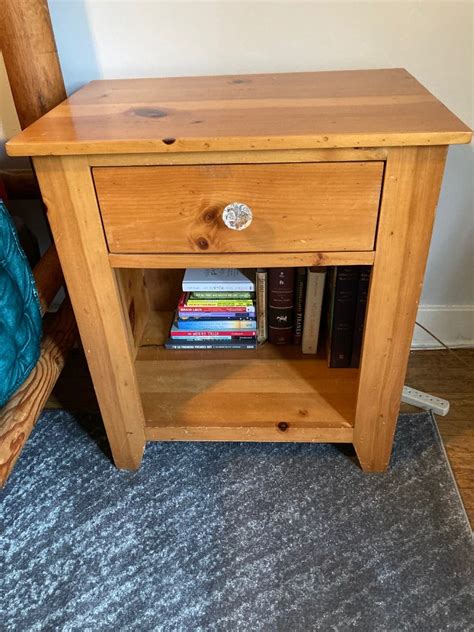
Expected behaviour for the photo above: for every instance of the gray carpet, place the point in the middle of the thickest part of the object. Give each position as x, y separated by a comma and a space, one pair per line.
232, 537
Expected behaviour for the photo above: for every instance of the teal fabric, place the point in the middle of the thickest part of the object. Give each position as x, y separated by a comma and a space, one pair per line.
20, 316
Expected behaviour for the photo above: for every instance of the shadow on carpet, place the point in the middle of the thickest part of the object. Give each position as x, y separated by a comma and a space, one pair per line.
232, 537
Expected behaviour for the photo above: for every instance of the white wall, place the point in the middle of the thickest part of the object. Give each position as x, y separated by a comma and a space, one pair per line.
433, 40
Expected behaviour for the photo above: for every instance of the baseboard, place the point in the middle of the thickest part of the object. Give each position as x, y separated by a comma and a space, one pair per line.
453, 324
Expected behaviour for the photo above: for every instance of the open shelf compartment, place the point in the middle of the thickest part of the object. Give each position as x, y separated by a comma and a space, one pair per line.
272, 393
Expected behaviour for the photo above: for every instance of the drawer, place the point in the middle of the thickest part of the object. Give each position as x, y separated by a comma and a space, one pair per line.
296, 207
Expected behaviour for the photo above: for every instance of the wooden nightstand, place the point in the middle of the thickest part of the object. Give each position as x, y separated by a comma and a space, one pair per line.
338, 168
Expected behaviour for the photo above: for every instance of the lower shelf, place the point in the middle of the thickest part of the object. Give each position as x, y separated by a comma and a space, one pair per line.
270, 394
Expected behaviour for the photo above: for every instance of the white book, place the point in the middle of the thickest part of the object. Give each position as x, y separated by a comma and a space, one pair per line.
312, 309
217, 280
261, 296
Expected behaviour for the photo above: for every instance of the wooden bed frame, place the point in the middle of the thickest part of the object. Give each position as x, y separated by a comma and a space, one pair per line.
32, 64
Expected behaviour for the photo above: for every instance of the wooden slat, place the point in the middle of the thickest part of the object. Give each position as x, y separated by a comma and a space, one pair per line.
296, 207
69, 195
249, 433
253, 156
360, 108
412, 184
19, 415
241, 260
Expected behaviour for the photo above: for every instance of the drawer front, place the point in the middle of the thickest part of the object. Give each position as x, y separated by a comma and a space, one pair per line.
296, 207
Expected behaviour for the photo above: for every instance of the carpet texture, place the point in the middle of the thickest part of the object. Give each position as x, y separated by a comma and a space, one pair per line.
232, 537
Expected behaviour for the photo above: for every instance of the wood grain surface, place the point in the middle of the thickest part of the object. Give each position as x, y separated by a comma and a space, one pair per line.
270, 394
242, 260
296, 207
355, 108
412, 183
69, 195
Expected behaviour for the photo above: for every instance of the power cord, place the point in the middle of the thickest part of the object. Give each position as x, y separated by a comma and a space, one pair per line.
458, 358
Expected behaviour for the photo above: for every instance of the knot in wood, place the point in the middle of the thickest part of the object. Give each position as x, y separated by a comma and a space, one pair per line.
202, 243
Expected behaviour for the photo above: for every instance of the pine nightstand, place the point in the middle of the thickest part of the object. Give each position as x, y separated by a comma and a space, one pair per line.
337, 167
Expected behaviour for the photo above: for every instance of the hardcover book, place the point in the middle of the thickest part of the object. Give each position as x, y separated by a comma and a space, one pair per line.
300, 292
343, 302
217, 280
313, 308
359, 321
281, 286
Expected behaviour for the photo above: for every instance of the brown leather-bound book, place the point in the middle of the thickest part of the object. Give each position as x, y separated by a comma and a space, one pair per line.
281, 290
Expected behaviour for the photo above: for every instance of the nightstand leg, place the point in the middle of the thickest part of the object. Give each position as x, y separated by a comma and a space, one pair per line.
412, 183
68, 191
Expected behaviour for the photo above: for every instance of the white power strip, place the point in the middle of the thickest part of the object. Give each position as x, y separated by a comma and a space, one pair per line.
425, 401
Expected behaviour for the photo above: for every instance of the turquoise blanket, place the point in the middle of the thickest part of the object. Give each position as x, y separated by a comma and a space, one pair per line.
20, 317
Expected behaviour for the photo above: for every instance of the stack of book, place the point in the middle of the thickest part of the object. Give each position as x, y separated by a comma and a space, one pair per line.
216, 311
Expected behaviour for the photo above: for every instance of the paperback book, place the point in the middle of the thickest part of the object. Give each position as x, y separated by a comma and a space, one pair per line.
214, 325
186, 344
217, 280
185, 308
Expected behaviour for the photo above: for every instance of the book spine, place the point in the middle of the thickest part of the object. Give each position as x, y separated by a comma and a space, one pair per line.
300, 289
244, 286
230, 333
220, 295
219, 303
359, 320
185, 309
344, 304
281, 286
213, 317
261, 289
313, 308
216, 310
216, 325
212, 339
212, 345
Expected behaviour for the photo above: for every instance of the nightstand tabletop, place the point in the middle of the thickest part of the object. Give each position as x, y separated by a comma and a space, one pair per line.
356, 108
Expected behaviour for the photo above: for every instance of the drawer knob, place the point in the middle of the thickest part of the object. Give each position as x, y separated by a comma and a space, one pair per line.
237, 216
